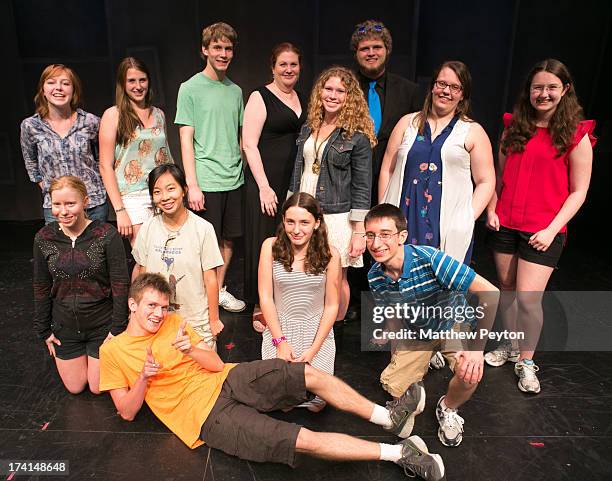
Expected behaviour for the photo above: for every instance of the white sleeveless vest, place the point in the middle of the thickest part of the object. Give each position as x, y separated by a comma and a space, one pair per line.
456, 213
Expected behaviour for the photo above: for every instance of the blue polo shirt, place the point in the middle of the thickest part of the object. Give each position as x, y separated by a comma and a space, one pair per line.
431, 279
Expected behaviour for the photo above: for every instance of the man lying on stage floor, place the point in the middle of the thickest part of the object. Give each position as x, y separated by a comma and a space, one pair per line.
161, 360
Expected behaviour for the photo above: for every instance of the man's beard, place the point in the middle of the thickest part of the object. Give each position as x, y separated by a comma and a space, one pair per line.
373, 72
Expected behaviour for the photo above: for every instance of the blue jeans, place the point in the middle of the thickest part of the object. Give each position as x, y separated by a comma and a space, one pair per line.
99, 212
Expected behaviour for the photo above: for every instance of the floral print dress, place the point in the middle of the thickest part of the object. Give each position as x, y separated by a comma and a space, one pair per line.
422, 189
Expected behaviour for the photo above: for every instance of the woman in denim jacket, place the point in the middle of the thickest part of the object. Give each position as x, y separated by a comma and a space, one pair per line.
334, 164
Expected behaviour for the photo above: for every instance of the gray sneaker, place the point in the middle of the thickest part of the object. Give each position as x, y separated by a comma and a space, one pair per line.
526, 371
416, 460
405, 408
502, 354
450, 431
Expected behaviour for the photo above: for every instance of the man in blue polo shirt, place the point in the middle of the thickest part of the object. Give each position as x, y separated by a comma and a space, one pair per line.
426, 277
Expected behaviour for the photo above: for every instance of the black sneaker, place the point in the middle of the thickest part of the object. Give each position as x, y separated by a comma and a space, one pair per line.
404, 409
416, 460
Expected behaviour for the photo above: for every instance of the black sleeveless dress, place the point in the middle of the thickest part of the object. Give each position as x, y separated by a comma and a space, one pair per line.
278, 150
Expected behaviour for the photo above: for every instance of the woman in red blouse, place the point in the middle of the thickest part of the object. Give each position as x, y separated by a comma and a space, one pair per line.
545, 159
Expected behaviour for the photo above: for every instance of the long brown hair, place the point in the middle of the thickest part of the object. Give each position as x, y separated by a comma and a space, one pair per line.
561, 125
463, 107
128, 118
318, 253
354, 116
53, 70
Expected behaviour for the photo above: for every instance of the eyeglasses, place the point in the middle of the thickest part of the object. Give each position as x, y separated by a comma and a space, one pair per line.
454, 88
376, 28
385, 236
541, 88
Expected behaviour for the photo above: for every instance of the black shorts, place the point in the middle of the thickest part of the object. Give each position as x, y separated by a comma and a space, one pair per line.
236, 424
76, 344
510, 241
224, 212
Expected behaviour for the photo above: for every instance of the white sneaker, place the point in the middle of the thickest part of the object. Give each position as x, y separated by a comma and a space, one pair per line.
502, 354
526, 370
450, 431
229, 302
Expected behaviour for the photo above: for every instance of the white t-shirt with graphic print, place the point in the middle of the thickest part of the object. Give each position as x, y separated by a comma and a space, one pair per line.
182, 257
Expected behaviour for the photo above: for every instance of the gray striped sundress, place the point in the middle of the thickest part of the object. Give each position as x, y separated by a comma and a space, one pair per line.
299, 300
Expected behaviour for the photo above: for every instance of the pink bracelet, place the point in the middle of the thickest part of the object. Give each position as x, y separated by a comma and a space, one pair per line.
277, 340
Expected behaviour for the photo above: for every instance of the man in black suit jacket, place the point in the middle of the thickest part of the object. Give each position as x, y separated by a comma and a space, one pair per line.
371, 44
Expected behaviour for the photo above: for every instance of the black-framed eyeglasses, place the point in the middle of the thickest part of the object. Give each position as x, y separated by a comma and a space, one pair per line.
385, 236
375, 28
454, 88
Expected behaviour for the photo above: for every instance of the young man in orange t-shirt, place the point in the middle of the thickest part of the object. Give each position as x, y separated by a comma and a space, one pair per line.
161, 360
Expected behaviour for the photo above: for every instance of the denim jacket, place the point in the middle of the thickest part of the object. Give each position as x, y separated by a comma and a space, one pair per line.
345, 179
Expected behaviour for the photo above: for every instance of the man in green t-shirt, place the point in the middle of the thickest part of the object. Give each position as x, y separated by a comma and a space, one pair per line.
209, 112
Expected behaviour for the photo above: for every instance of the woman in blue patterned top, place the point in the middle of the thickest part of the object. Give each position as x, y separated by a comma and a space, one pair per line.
61, 139
133, 142
438, 166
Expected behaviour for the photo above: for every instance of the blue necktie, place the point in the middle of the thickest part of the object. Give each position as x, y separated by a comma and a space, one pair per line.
374, 106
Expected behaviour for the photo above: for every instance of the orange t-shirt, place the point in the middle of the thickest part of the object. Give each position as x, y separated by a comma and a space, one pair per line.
181, 395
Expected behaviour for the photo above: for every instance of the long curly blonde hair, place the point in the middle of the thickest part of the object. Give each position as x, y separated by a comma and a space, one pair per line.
354, 116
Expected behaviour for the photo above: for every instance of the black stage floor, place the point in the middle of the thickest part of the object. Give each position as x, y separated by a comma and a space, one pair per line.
564, 433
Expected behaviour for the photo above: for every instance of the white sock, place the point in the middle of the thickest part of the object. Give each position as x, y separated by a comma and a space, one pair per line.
390, 452
444, 406
381, 416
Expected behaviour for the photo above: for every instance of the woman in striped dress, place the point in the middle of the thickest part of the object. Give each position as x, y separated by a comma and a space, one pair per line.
299, 276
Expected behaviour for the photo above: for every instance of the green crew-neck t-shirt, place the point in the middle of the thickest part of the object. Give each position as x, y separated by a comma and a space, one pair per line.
214, 109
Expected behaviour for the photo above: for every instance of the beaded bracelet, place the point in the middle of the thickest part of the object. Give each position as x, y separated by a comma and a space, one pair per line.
277, 340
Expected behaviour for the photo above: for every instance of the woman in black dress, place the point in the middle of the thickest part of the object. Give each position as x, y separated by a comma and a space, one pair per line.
273, 116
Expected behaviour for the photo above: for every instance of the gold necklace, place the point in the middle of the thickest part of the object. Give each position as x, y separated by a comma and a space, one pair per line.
316, 165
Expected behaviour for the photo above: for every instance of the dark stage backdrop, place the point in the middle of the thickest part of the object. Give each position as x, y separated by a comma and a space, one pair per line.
498, 40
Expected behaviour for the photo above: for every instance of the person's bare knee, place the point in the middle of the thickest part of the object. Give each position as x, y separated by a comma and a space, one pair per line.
529, 302
306, 441
227, 245
313, 377
75, 387
463, 385
94, 389
93, 374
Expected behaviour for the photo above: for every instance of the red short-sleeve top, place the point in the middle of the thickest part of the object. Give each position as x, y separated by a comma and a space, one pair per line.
535, 182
